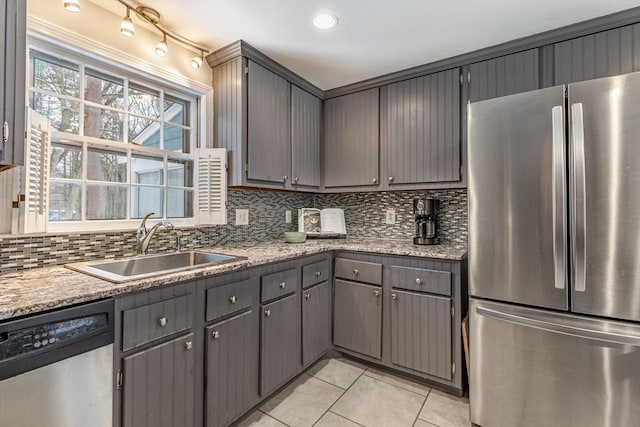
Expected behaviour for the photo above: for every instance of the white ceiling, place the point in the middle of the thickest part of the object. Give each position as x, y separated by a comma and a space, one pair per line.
373, 37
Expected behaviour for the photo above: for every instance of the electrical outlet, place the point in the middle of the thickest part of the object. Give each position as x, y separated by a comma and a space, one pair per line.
390, 217
242, 216
287, 216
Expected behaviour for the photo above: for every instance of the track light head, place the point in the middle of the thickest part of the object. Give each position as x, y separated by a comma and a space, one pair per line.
126, 26
71, 5
162, 48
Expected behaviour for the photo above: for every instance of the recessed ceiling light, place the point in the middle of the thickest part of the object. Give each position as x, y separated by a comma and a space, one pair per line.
325, 21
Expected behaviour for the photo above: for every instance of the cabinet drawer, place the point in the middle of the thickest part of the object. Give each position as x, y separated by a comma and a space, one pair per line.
147, 323
230, 298
368, 272
315, 273
278, 284
421, 279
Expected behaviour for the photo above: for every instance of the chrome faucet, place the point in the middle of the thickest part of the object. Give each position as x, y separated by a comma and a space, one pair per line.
143, 236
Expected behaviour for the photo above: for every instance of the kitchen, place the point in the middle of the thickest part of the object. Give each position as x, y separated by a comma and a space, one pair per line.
491, 149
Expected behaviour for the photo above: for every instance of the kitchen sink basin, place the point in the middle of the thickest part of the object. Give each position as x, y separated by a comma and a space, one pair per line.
141, 267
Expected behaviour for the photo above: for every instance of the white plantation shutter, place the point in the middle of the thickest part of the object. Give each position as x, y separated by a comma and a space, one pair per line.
211, 186
31, 182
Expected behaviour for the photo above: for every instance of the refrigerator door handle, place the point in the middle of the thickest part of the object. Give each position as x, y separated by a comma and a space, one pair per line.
578, 199
559, 198
551, 326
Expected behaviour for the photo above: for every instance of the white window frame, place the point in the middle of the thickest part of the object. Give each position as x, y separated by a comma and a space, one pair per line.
124, 66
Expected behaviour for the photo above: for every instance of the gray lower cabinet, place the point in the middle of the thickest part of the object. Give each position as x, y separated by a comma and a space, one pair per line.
280, 343
306, 121
421, 333
316, 322
232, 362
160, 385
358, 317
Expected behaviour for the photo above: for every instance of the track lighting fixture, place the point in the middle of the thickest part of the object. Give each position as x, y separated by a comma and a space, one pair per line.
71, 5
197, 61
162, 48
126, 27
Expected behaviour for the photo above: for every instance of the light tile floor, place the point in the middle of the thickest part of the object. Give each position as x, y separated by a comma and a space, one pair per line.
343, 393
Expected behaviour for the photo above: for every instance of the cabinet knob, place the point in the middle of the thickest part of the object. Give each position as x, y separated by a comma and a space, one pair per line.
163, 321
188, 345
418, 281
394, 296
390, 179
285, 178
233, 299
295, 179
307, 296
374, 180
215, 334
376, 293
355, 272
318, 273
283, 285
267, 313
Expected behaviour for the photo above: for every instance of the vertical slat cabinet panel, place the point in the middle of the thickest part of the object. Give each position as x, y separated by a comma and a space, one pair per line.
351, 140
3, 110
228, 114
232, 368
159, 385
422, 143
603, 54
421, 333
269, 128
280, 342
358, 317
506, 75
316, 322
306, 119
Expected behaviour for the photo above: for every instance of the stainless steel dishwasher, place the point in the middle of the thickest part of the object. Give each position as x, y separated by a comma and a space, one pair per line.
56, 368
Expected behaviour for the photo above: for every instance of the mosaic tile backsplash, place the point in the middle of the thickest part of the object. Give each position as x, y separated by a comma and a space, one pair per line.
364, 215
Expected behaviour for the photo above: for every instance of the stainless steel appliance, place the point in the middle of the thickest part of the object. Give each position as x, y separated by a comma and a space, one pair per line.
56, 368
554, 246
425, 212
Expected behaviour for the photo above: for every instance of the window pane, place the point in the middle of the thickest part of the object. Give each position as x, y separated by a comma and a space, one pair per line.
56, 78
145, 200
105, 124
144, 102
103, 165
144, 131
64, 114
176, 139
65, 202
103, 89
175, 111
106, 202
180, 173
179, 203
66, 161
147, 170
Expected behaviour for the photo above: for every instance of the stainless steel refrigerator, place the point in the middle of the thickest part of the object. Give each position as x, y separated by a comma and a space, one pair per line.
554, 256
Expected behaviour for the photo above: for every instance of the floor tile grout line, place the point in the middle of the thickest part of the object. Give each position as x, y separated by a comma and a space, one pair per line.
421, 408
327, 382
272, 417
395, 384
340, 397
346, 418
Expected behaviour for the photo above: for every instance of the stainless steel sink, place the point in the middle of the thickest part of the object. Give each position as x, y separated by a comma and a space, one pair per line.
141, 267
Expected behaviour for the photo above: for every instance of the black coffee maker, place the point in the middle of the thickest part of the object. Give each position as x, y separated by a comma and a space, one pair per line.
425, 212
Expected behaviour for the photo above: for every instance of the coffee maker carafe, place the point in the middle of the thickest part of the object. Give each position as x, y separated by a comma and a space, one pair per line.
425, 212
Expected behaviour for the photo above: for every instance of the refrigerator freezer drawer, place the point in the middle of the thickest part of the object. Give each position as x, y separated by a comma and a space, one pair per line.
538, 368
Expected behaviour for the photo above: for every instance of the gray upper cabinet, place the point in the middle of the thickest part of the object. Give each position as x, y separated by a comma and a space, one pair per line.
505, 75
351, 140
316, 322
159, 385
13, 15
268, 118
306, 115
421, 135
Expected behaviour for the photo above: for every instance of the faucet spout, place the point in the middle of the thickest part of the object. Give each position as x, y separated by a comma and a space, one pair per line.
143, 236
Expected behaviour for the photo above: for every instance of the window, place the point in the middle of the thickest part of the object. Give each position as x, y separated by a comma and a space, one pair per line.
121, 146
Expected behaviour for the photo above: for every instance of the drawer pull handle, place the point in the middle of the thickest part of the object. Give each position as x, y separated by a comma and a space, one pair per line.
355, 272
307, 296
376, 293
215, 334
267, 313
163, 321
418, 281
233, 299
188, 345
318, 273
394, 296
283, 285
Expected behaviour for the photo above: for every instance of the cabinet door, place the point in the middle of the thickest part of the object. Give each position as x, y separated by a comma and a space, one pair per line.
421, 333
280, 342
358, 317
305, 138
316, 322
232, 368
159, 385
351, 140
3, 98
422, 141
269, 128
603, 54
506, 75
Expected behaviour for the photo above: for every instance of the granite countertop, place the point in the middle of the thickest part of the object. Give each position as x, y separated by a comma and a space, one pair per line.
42, 289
